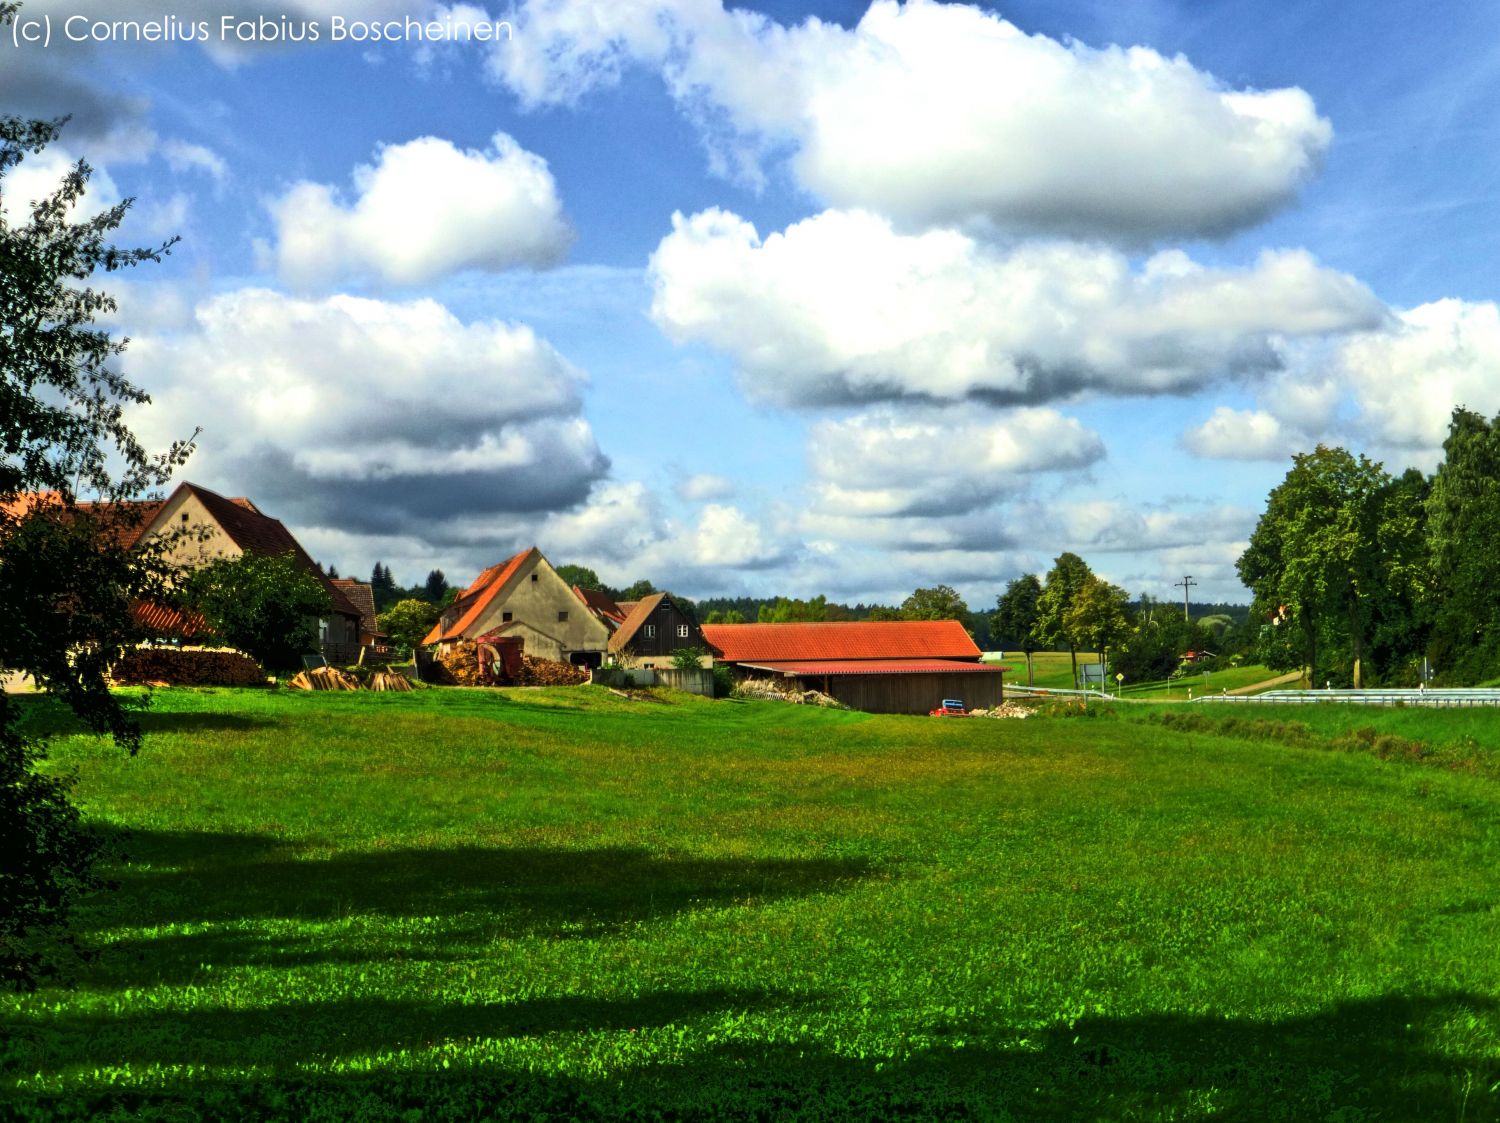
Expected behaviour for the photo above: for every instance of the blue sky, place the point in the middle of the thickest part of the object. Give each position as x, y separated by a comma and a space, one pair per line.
795, 298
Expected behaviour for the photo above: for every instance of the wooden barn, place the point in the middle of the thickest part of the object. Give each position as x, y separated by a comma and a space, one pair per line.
881, 667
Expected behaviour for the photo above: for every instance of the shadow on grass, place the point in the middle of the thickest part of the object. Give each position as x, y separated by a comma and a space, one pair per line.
45, 716
463, 896
153, 722
329, 1030
1361, 1060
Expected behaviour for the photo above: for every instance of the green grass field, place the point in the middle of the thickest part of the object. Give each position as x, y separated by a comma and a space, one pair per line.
1054, 670
561, 904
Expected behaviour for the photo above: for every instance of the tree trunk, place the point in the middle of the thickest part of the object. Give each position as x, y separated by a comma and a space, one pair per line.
1073, 654
1357, 642
1028, 669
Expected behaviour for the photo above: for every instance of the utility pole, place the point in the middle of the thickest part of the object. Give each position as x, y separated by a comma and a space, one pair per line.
1186, 583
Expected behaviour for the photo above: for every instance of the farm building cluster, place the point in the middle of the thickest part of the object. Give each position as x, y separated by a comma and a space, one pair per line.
521, 608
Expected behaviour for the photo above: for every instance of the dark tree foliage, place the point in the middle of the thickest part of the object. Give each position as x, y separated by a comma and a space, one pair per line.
582, 576
435, 586
65, 581
268, 607
1338, 551
1463, 521
1016, 616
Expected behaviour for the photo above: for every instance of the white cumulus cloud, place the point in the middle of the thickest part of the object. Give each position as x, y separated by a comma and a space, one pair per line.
939, 463
1242, 434
422, 210
945, 113
843, 308
378, 417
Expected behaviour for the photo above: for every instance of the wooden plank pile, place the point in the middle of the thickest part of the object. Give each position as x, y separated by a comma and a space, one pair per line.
323, 678
389, 680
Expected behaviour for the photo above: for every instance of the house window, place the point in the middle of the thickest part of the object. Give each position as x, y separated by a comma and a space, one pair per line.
533, 576
650, 631
505, 618
562, 617
683, 631
184, 516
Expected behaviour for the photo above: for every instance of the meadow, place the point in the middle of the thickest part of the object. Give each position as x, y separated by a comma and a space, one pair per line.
558, 903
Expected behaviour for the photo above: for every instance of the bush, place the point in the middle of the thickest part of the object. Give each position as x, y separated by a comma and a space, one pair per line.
723, 681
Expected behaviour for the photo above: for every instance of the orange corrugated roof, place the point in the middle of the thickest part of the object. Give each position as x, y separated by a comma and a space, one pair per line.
159, 619
479, 594
855, 639
878, 667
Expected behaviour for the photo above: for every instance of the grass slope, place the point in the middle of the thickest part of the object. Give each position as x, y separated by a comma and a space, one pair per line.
539, 904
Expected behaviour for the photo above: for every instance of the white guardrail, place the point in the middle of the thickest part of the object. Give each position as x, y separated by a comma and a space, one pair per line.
1446, 696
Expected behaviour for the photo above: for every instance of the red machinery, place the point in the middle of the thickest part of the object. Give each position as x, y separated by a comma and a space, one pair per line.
499, 659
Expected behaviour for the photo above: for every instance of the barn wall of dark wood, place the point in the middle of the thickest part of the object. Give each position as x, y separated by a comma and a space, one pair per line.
910, 693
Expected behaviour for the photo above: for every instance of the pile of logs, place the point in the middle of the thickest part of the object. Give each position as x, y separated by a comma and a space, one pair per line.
323, 678
389, 680
187, 666
549, 672
459, 667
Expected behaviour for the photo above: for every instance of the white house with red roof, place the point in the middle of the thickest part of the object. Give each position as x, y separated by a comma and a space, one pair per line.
895, 666
523, 597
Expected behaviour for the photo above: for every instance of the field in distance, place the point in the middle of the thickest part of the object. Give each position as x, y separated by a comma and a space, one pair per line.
558, 903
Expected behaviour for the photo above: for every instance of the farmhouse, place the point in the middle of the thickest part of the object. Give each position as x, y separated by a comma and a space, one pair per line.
196, 526
201, 525
524, 598
883, 667
649, 632
362, 596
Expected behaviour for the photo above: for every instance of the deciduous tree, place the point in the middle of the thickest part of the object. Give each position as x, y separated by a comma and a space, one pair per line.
1336, 542
65, 580
268, 607
1016, 617
1069, 574
940, 602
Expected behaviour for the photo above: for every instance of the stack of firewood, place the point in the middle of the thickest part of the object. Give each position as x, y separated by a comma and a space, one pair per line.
549, 672
323, 678
188, 666
389, 680
459, 667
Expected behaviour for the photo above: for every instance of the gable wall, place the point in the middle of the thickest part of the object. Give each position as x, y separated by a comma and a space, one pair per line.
536, 605
189, 552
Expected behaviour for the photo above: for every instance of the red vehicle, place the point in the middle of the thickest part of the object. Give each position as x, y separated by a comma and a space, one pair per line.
951, 707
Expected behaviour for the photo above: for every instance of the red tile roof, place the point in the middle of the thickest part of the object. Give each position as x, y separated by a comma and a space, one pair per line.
264, 536
476, 598
123, 521
878, 667
361, 596
601, 605
855, 639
